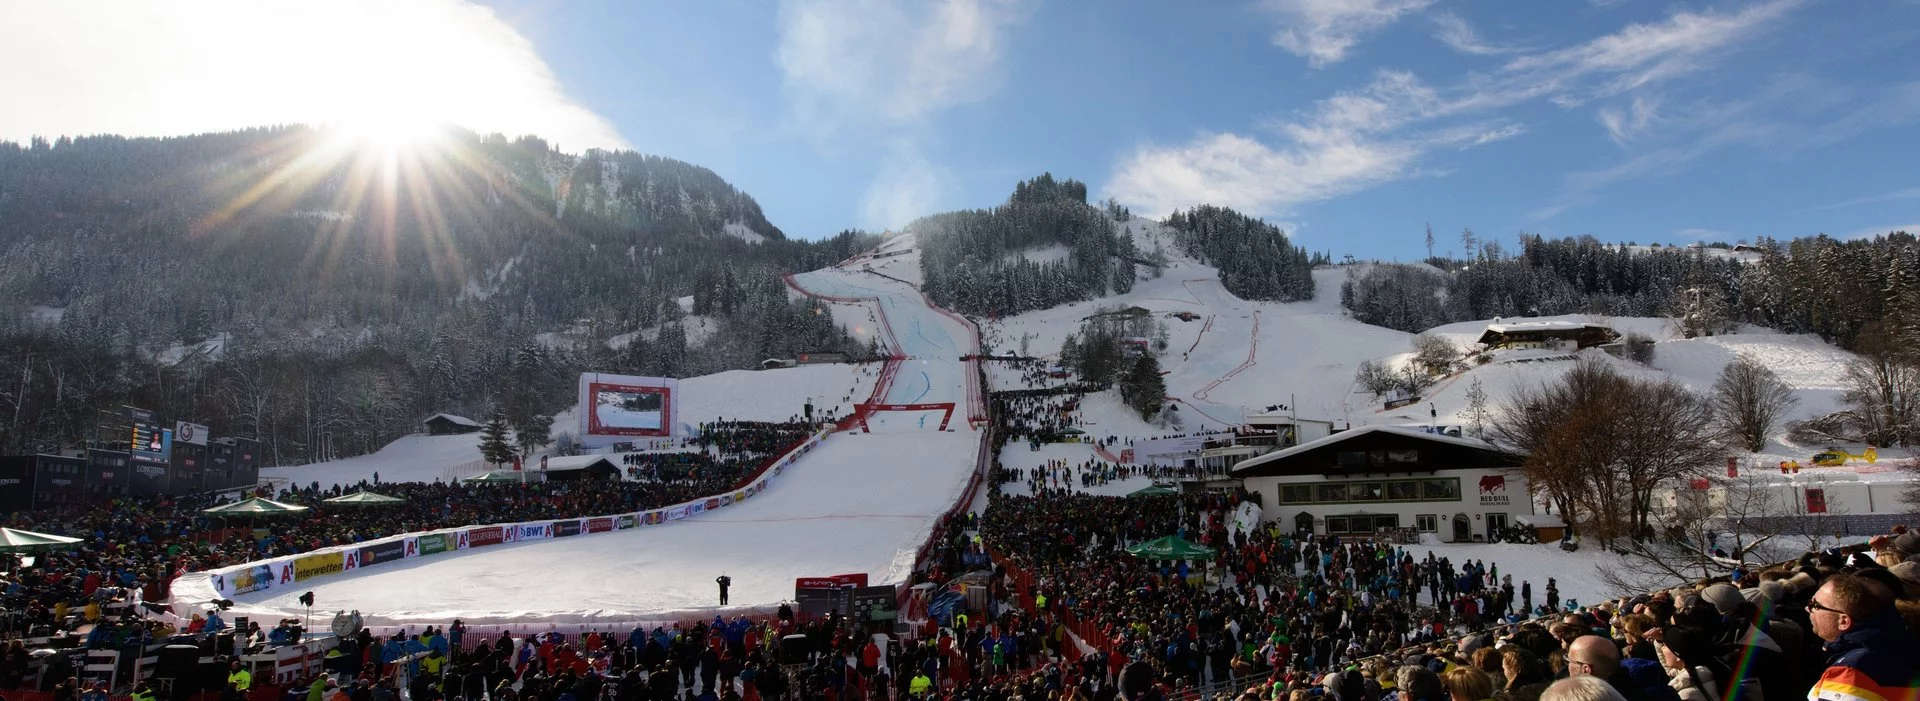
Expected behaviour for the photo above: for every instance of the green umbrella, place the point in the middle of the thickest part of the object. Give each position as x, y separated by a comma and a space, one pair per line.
13, 540
500, 477
365, 498
1171, 547
254, 506
1157, 490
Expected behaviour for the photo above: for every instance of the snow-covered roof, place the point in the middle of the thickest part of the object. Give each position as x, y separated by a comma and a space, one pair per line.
1251, 463
455, 419
1556, 325
573, 462
1540, 520
1284, 417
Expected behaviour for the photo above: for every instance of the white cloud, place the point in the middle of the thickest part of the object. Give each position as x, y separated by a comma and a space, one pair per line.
1346, 143
152, 68
1379, 133
1623, 124
906, 188
1641, 54
1453, 30
866, 61
1323, 31
1910, 193
858, 73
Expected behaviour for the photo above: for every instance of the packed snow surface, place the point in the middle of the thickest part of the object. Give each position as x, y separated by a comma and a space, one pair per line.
859, 502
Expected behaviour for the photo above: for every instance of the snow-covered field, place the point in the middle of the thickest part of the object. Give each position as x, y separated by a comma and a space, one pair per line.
859, 502
755, 395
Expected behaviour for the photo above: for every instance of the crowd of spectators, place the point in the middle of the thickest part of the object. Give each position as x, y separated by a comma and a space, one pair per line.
132, 548
1360, 620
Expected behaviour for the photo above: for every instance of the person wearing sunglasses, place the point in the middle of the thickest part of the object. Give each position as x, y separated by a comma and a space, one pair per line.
1871, 656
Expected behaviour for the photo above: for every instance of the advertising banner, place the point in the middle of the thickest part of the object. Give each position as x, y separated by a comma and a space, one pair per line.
599, 525
243, 581
698, 507
537, 531
482, 537
189, 432
382, 552
308, 567
624, 522
856, 579
432, 543
562, 529
677, 513
653, 518
716, 502
412, 546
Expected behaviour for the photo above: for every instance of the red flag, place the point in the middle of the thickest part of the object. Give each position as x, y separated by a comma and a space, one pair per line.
1733, 467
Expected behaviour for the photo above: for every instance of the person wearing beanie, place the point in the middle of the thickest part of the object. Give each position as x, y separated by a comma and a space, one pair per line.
1908, 544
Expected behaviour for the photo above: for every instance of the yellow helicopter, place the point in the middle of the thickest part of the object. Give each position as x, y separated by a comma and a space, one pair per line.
1835, 457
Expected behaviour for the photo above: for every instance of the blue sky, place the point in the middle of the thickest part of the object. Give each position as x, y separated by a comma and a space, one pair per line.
1352, 123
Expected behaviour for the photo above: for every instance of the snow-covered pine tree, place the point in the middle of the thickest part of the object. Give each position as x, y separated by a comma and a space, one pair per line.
493, 439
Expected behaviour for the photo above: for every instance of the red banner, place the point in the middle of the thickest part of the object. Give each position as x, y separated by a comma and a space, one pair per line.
858, 579
484, 536
596, 525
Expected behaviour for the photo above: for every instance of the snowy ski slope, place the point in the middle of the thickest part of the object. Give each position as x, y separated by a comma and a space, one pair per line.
859, 502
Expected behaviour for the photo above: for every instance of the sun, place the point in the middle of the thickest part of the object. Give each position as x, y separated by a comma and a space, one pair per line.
390, 131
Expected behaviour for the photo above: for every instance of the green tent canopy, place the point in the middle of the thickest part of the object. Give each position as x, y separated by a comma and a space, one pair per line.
13, 540
365, 498
1157, 490
254, 506
1171, 547
504, 477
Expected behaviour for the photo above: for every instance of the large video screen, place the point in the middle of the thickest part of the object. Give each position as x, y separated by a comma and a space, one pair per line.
625, 405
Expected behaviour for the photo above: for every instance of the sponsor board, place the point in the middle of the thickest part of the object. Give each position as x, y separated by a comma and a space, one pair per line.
653, 518
856, 579
538, 531
482, 537
562, 529
599, 525
413, 546
382, 552
432, 543
308, 567
624, 522
716, 502
741, 496
251, 579
677, 513
698, 507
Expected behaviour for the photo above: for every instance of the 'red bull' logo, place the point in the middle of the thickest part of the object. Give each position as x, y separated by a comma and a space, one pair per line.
1493, 483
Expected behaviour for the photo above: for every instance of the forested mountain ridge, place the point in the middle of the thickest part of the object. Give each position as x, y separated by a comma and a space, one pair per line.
324, 294
974, 260
1862, 294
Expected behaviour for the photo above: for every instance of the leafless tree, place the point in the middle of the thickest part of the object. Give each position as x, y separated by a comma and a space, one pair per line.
1748, 400
1438, 356
1600, 443
1746, 518
1884, 386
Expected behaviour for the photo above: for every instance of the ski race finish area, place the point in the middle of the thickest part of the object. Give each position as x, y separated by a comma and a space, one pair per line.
846, 501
